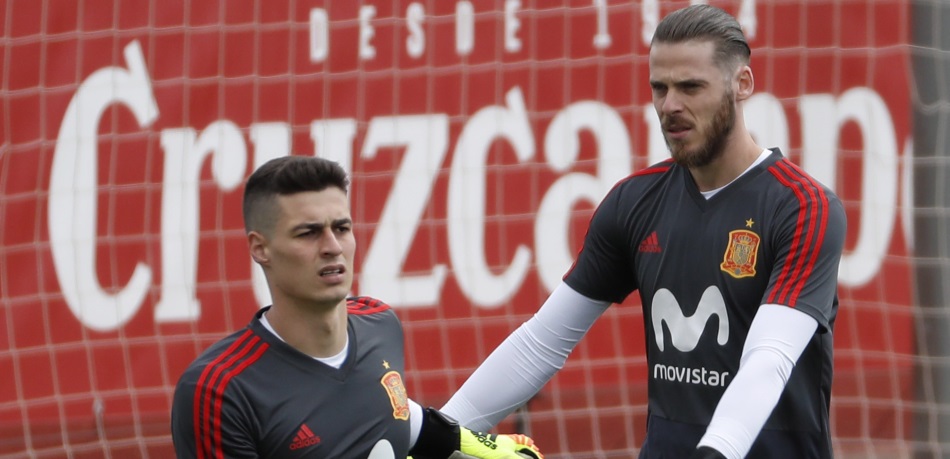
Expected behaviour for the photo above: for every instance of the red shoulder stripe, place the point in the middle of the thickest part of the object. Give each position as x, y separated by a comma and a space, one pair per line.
198, 407
362, 305
822, 222
784, 275
655, 169
207, 428
219, 392
807, 241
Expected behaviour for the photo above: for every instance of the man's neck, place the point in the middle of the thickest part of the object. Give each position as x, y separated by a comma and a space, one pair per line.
735, 159
317, 332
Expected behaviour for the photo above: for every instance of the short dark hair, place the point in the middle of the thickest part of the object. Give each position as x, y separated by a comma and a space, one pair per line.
705, 22
284, 176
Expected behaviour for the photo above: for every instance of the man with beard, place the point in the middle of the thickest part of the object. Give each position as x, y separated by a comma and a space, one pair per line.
734, 251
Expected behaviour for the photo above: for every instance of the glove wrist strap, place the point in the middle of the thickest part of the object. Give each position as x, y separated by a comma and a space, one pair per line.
705, 452
439, 437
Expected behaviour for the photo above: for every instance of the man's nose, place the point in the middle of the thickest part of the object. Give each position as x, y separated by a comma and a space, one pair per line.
671, 103
330, 245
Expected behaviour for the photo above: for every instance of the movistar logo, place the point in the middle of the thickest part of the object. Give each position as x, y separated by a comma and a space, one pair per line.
685, 331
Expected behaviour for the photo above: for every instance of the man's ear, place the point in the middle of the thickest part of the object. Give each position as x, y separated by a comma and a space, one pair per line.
257, 244
745, 83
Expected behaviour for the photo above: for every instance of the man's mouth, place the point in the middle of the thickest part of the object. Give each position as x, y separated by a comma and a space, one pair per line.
676, 131
676, 127
332, 271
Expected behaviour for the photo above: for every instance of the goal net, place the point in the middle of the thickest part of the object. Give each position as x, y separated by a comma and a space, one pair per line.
479, 135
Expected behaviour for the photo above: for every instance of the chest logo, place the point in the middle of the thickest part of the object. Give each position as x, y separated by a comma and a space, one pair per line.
686, 331
651, 244
304, 438
392, 382
739, 259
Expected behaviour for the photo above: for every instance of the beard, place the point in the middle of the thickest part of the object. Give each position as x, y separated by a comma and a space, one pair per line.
714, 140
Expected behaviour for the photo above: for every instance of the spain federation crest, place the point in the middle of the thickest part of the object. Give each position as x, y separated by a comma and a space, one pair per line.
392, 382
740, 256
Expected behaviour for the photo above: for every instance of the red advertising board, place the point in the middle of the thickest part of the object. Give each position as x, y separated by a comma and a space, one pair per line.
479, 135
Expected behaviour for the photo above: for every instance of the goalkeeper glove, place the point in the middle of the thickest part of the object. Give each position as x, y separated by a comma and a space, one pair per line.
441, 436
485, 446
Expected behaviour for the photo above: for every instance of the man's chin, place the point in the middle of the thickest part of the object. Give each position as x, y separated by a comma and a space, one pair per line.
679, 151
682, 157
333, 297
692, 158
341, 295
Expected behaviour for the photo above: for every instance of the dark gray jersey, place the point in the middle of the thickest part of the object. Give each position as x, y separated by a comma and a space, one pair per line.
252, 395
703, 268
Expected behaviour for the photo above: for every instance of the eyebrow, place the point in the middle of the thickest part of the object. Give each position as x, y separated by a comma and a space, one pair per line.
681, 83
320, 226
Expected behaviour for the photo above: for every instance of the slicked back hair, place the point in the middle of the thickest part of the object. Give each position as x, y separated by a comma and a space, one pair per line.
283, 176
707, 23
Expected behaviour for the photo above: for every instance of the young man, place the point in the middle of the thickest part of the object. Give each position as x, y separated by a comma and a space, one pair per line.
734, 251
316, 374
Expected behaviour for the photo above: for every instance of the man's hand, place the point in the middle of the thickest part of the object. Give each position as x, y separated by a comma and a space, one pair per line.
441, 437
487, 446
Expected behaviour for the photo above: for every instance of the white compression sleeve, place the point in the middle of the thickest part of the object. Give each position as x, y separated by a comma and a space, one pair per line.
415, 422
525, 361
776, 339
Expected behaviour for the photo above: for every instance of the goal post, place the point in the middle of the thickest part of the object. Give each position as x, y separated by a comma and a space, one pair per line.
931, 167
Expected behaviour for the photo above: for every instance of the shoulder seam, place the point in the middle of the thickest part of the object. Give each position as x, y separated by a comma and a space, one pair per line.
364, 305
655, 169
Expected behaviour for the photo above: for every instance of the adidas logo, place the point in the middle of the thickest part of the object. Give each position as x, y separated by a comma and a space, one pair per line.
304, 438
651, 244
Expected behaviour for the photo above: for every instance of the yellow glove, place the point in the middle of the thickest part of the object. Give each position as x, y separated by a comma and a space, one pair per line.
442, 438
488, 446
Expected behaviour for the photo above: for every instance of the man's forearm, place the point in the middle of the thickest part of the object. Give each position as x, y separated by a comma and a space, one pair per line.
776, 339
525, 361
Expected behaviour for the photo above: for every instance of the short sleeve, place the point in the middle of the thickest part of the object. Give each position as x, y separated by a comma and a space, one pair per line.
603, 269
808, 247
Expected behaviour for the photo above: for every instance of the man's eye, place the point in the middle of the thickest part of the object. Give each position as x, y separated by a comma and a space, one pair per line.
691, 88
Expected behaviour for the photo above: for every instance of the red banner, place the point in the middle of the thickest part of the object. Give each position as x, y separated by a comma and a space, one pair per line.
479, 134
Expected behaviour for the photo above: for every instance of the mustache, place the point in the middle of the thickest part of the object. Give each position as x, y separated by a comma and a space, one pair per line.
672, 122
